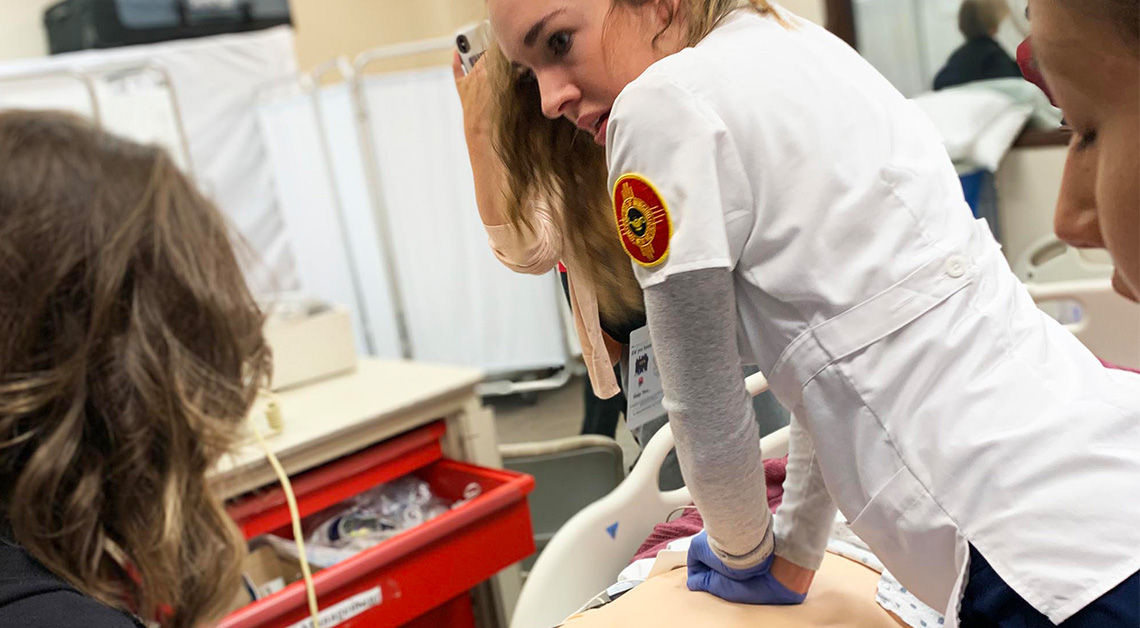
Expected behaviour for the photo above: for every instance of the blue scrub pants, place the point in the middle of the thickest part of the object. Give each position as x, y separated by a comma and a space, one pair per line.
990, 603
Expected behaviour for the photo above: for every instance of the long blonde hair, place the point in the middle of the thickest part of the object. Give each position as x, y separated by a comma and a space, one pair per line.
130, 351
551, 160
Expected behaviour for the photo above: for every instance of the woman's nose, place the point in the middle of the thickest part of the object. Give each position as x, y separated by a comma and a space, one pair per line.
557, 93
1076, 220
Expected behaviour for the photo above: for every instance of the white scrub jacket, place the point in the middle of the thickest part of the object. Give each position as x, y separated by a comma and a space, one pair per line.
945, 408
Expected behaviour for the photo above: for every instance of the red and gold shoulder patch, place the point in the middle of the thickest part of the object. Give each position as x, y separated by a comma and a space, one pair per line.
642, 220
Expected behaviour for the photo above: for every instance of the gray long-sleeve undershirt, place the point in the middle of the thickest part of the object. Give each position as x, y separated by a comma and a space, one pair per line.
692, 323
803, 522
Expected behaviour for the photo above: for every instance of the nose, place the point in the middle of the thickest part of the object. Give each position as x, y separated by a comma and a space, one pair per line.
1076, 220
557, 91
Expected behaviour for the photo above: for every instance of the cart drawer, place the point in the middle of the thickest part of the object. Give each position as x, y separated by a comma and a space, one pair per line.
419, 571
266, 510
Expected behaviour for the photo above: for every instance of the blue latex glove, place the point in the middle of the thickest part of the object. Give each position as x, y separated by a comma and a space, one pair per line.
754, 585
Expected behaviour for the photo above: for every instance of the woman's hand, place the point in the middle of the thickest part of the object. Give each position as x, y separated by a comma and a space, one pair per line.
774, 581
475, 97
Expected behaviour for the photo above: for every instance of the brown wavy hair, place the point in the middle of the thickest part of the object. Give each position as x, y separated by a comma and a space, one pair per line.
130, 351
552, 160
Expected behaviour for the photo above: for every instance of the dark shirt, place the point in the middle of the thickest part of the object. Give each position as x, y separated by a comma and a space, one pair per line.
618, 330
979, 59
32, 596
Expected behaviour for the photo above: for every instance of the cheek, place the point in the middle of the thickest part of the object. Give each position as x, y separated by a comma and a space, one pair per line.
601, 73
1076, 215
1118, 197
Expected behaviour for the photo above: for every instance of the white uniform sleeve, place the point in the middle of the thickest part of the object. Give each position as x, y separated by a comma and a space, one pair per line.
803, 522
664, 133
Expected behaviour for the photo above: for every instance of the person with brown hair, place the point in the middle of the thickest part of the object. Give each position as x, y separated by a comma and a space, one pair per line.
782, 203
131, 350
981, 57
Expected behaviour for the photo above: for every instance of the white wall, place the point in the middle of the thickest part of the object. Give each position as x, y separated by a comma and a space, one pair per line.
814, 10
1028, 183
22, 28
910, 40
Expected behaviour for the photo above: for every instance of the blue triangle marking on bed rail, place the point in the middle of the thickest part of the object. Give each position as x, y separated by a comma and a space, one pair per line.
612, 530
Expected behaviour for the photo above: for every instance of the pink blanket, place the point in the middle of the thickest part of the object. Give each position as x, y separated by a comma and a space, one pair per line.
691, 523
1118, 368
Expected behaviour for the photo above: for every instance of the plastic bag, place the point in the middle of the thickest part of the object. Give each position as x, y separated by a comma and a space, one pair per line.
373, 517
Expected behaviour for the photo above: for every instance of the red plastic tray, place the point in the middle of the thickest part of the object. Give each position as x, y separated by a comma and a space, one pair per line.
426, 570
266, 510
457, 613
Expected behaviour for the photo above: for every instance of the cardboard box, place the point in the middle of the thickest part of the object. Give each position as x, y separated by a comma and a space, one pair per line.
264, 573
310, 341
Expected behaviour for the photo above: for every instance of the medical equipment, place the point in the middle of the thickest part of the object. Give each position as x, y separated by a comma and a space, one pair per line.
74, 25
274, 416
570, 474
373, 517
472, 41
1075, 288
585, 555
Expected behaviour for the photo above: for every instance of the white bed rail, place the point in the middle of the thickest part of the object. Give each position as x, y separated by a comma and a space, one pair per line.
586, 555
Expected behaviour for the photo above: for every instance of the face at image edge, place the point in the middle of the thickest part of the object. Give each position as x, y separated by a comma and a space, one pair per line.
582, 53
1092, 65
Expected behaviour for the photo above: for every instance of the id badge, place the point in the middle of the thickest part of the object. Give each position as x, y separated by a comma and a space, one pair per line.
643, 389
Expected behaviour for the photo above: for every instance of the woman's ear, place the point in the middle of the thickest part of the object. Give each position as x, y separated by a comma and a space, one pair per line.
666, 12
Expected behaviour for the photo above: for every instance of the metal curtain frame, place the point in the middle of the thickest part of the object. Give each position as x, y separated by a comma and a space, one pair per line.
82, 78
119, 70
309, 84
372, 172
498, 387
167, 81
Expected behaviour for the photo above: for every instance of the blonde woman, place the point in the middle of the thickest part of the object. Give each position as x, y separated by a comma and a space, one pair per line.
130, 353
783, 204
534, 234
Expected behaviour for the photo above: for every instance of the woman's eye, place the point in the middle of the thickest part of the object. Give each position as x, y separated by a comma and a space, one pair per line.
526, 77
559, 43
1086, 141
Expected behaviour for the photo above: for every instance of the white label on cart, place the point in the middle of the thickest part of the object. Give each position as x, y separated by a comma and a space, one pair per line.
341, 612
643, 390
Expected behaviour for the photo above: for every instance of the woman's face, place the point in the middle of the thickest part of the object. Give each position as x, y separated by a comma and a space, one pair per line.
1094, 74
581, 52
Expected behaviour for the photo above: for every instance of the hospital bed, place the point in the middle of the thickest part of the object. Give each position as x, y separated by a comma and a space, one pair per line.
585, 556
1075, 287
